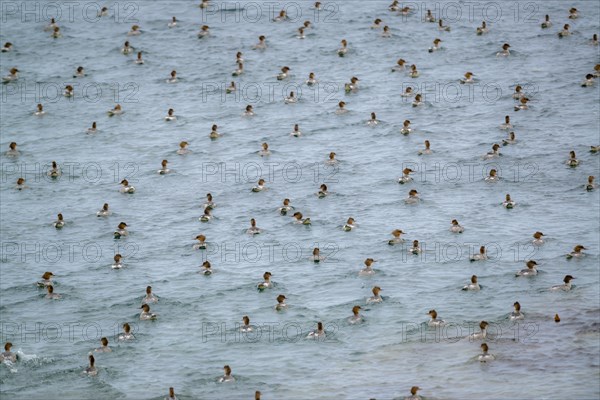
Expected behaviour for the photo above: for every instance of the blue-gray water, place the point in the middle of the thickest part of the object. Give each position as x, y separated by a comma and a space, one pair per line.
393, 350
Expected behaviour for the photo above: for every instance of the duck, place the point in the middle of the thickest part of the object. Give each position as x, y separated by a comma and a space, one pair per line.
474, 285
93, 129
183, 148
442, 27
468, 78
352, 86
518, 92
429, 17
296, 132
214, 133
207, 216
572, 161
413, 71
400, 65
231, 88
260, 187
283, 74
522, 104
311, 81
386, 32
283, 210
413, 197
126, 188
356, 318
406, 129
495, 153
396, 237
482, 256
435, 321
564, 287
12, 76
482, 334
12, 150
537, 238
376, 298
146, 315
573, 13
54, 172
316, 256
59, 223
135, 31
46, 279
104, 211
265, 150
170, 115
344, 49
350, 225
485, 356
298, 218
139, 60
201, 245
492, 177
281, 305
253, 230
68, 91
590, 184
331, 160
117, 265
262, 44
318, 333
210, 204
511, 139
246, 327
415, 249
341, 108
505, 51
249, 112
291, 99
368, 269
576, 253
127, 49
173, 78
506, 125
91, 370
206, 268
40, 111
51, 295
117, 110
56, 33
483, 29
164, 170
322, 193
121, 230
301, 34
405, 178
173, 23
589, 81
418, 101
547, 23
508, 202
239, 70
79, 73
456, 227
204, 32
7, 47
373, 121
413, 394
517, 314
565, 32
436, 44
427, 150
530, 270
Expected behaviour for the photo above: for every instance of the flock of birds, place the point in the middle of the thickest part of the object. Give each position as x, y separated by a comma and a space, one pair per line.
286, 208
